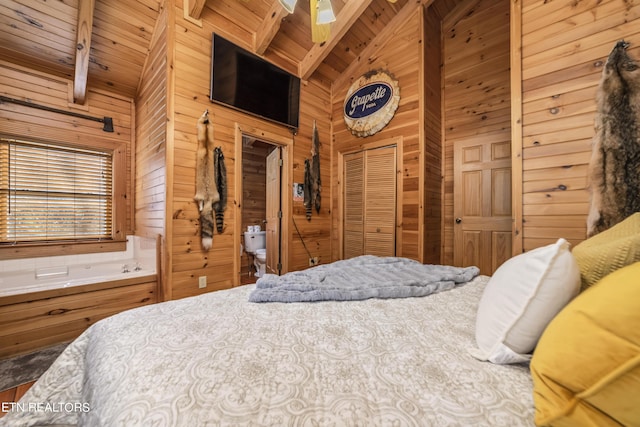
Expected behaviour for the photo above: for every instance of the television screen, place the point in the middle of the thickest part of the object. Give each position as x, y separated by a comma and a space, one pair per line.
242, 80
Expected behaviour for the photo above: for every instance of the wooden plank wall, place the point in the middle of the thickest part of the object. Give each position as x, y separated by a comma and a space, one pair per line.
151, 133
564, 46
432, 123
29, 123
32, 321
254, 184
150, 147
399, 58
189, 88
476, 94
313, 236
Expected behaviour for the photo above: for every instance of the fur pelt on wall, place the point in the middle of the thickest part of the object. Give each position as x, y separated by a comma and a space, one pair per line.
614, 169
308, 184
316, 186
312, 183
220, 170
206, 187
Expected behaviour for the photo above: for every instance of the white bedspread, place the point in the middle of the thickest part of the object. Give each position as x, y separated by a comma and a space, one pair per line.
218, 359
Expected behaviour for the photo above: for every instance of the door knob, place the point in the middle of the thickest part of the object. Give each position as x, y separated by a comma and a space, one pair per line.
458, 220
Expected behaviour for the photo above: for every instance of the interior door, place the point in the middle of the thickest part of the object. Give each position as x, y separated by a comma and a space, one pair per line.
274, 211
353, 239
369, 204
380, 202
482, 201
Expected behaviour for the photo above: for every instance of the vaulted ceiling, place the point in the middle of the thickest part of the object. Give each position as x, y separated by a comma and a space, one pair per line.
103, 44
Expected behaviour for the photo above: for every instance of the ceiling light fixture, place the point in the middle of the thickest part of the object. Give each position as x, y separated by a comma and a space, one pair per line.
321, 17
288, 5
325, 12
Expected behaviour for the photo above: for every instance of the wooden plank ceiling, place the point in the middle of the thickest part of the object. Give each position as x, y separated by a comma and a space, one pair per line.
103, 44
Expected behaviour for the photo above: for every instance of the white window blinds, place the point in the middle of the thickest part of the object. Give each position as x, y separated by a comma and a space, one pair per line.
53, 193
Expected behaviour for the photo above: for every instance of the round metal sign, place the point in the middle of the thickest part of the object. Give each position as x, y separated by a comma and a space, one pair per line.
370, 103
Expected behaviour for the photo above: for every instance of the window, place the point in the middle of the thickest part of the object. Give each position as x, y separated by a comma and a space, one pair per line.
54, 193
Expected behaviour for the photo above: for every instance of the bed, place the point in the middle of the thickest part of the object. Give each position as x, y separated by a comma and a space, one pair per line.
549, 339
218, 359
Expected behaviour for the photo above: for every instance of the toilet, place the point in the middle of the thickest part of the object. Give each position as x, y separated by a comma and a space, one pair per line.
255, 243
260, 261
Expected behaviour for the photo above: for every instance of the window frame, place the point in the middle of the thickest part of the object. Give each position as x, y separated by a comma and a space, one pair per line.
117, 241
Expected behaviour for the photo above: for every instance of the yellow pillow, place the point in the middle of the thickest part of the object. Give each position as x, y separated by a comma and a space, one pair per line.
586, 367
609, 250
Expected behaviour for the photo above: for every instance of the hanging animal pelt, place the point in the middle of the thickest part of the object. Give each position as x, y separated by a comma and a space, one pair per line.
312, 184
308, 203
206, 187
220, 171
316, 186
614, 168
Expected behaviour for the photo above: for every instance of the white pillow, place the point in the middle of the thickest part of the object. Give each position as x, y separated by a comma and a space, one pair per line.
521, 298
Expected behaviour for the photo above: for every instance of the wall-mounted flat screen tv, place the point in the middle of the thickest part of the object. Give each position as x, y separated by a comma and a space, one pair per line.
242, 80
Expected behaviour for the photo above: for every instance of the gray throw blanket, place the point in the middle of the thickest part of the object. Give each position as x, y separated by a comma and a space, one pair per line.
361, 278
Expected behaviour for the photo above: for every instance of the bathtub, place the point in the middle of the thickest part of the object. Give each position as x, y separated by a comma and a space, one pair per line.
51, 300
46, 278
56, 272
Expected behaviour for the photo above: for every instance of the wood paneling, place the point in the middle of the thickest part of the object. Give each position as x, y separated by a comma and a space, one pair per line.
42, 36
394, 58
190, 97
151, 132
564, 46
164, 60
36, 320
476, 108
432, 130
17, 121
254, 183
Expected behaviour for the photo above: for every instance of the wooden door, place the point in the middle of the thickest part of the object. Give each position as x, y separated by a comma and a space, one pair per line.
353, 241
273, 211
380, 202
369, 203
482, 201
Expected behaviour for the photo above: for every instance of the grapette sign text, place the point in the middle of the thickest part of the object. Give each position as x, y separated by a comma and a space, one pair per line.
371, 102
368, 99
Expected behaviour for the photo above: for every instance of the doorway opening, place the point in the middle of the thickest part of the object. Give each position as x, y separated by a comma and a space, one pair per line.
263, 205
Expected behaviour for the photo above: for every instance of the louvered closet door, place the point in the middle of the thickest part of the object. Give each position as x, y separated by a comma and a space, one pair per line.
370, 202
353, 205
380, 202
